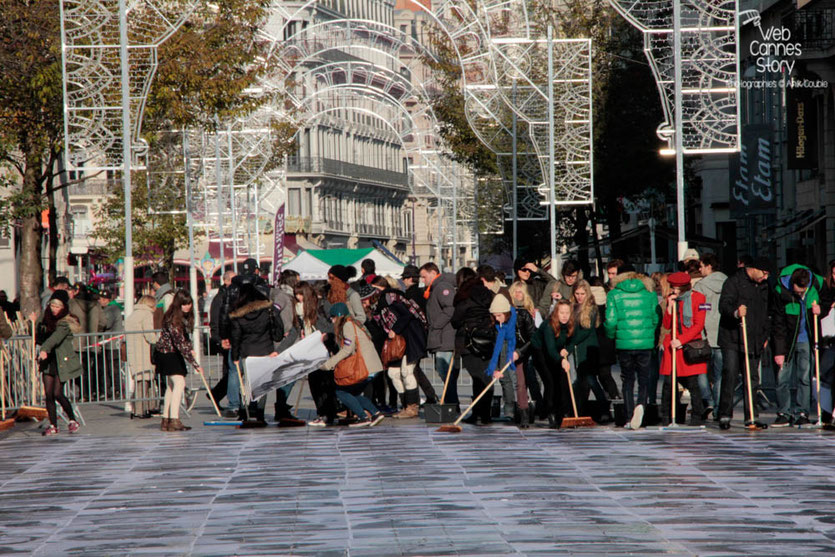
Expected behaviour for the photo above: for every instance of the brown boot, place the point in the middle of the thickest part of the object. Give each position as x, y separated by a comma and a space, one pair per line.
411, 411
177, 425
165, 425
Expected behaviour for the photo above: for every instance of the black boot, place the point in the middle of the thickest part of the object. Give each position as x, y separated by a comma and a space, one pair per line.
524, 418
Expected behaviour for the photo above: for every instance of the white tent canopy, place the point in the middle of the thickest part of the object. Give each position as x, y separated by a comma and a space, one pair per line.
314, 264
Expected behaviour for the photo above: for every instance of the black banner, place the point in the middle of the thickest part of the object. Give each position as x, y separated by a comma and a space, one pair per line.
802, 120
751, 172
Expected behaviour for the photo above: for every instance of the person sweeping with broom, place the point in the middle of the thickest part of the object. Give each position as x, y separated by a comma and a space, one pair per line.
686, 325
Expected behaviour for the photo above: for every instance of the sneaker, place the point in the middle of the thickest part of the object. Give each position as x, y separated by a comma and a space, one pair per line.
706, 414
724, 423
318, 422
230, 413
361, 423
73, 426
637, 417
627, 426
802, 419
781, 421
50, 431
378, 417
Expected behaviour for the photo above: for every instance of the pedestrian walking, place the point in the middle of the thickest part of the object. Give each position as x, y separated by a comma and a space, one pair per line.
58, 361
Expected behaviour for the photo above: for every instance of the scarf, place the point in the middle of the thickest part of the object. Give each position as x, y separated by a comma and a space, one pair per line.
686, 309
429, 287
386, 317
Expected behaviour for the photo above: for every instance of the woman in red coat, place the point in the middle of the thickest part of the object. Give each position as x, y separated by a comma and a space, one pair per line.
690, 323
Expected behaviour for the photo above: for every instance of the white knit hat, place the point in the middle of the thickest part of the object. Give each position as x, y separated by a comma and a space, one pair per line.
500, 304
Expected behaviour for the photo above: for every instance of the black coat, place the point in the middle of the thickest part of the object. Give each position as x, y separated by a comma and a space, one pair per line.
415, 294
740, 290
525, 330
255, 330
472, 311
407, 325
230, 300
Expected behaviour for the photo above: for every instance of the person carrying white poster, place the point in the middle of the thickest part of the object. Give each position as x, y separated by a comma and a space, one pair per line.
264, 373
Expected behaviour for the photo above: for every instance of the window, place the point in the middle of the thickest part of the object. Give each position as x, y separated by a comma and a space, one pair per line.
294, 201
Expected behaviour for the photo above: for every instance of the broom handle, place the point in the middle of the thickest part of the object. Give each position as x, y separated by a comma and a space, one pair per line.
209, 390
449, 372
747, 370
571, 389
484, 392
3, 383
241, 380
299, 395
34, 366
817, 368
674, 402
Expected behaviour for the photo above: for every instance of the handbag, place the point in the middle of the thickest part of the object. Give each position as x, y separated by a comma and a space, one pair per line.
352, 369
481, 341
393, 350
697, 351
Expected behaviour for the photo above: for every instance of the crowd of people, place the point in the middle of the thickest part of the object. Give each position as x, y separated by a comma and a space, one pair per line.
544, 339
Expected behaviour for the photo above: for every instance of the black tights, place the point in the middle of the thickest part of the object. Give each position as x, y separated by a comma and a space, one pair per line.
54, 390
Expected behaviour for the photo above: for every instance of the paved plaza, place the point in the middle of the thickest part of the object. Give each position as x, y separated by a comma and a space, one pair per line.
120, 487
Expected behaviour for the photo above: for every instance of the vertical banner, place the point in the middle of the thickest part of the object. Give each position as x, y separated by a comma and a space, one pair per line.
751, 179
278, 247
802, 120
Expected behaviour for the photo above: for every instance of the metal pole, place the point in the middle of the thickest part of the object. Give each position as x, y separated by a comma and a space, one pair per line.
652, 242
515, 182
126, 154
232, 205
552, 205
192, 272
220, 237
257, 237
682, 241
454, 257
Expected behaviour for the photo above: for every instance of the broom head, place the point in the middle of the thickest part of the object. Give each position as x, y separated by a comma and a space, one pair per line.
583, 421
6, 424
32, 412
450, 429
252, 424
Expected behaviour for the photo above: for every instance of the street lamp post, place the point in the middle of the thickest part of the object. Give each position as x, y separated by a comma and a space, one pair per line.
552, 205
126, 155
682, 241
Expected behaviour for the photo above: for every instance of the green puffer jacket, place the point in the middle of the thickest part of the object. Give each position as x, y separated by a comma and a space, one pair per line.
632, 315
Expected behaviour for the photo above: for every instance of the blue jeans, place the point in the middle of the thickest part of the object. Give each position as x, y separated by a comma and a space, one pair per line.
653, 375
798, 369
714, 370
827, 364
634, 363
353, 398
441, 366
233, 387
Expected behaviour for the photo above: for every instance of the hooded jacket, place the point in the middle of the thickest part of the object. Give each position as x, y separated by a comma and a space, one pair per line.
632, 313
711, 288
739, 290
790, 310
59, 345
439, 311
255, 330
472, 311
230, 300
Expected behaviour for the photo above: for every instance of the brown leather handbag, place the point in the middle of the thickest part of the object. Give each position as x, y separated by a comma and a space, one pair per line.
352, 369
393, 350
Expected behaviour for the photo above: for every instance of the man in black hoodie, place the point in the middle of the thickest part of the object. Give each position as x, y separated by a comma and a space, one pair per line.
744, 294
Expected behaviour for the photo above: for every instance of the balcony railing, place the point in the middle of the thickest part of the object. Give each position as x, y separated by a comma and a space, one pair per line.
321, 165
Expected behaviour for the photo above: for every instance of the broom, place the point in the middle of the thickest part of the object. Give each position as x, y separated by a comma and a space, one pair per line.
819, 424
455, 428
33, 411
576, 421
752, 423
4, 423
674, 380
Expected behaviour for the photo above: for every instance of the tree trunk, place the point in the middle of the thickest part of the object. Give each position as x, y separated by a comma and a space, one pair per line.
31, 267
53, 233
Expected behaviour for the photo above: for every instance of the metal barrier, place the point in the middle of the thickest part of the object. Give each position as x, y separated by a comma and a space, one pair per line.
105, 378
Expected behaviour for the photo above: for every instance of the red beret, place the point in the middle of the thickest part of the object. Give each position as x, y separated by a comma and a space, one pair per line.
679, 279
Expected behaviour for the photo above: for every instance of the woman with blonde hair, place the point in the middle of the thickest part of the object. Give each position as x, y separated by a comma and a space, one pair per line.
527, 320
585, 345
139, 341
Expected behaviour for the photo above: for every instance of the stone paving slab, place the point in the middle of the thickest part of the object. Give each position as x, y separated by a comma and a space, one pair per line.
407, 490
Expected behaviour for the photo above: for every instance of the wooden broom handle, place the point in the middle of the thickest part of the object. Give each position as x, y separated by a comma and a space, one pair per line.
484, 392
448, 373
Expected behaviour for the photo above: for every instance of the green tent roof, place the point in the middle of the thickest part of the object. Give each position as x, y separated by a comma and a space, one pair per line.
340, 256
